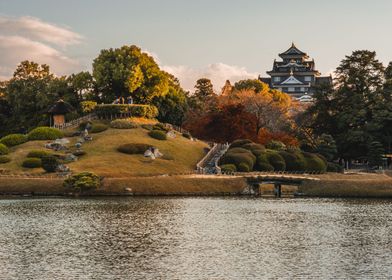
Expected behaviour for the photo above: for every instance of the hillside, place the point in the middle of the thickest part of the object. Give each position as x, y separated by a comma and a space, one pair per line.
180, 154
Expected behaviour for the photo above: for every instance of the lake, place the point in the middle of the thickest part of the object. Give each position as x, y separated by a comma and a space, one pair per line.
195, 238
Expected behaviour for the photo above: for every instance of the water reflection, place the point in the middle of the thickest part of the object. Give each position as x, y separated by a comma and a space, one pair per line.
195, 238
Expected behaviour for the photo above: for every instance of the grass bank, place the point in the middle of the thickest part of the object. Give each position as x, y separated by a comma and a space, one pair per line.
349, 185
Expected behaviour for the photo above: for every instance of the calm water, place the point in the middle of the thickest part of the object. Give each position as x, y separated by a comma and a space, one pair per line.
195, 238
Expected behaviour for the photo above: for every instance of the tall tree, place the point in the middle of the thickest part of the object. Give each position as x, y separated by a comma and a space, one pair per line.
129, 71
204, 88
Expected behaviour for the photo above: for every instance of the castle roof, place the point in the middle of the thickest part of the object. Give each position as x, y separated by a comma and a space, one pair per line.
293, 51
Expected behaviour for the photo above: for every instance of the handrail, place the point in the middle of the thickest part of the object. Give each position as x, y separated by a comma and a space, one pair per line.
76, 122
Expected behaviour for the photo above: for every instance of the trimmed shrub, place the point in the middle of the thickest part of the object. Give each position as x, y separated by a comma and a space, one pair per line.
334, 167
262, 163
253, 147
187, 135
276, 145
243, 167
160, 126
242, 151
4, 159
240, 143
14, 139
133, 148
135, 110
158, 134
123, 124
276, 160
264, 166
228, 168
38, 154
147, 126
84, 181
45, 133
314, 163
98, 127
237, 159
294, 160
50, 163
32, 163
3, 149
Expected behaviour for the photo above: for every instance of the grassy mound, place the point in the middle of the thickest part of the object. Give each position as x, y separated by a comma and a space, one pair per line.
14, 139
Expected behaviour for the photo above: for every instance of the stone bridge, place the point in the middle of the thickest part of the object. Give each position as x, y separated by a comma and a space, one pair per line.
255, 180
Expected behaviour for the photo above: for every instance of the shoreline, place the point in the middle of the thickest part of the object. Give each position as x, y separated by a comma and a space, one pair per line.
361, 185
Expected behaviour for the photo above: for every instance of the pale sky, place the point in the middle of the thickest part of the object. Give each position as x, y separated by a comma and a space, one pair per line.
218, 39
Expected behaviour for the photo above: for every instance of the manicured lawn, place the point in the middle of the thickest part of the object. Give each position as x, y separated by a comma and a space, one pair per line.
103, 158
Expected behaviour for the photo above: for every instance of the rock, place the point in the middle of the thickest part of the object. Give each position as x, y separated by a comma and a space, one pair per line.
171, 134
70, 158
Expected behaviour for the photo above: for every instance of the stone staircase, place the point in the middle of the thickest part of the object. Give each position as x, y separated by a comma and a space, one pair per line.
209, 164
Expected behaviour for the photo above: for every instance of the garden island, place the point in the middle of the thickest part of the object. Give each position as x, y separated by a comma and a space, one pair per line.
129, 128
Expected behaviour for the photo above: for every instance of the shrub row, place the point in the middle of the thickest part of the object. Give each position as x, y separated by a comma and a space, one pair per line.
158, 134
32, 163
4, 159
14, 139
244, 155
135, 110
123, 124
38, 154
133, 148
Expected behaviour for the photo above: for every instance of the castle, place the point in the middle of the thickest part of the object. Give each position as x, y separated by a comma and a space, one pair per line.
295, 75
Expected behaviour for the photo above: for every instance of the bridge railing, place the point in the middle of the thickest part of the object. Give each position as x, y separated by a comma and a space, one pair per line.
76, 122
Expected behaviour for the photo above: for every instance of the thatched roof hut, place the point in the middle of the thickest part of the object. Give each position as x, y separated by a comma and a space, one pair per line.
58, 111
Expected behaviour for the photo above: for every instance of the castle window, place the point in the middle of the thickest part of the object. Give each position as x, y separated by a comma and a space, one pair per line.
302, 89
308, 78
276, 79
291, 89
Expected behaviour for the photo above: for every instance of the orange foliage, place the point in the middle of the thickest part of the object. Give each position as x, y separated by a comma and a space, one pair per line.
265, 136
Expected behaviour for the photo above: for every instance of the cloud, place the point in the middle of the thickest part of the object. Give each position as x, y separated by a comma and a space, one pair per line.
39, 30
218, 73
28, 38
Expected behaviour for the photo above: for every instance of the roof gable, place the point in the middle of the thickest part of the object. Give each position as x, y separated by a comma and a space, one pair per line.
293, 50
291, 81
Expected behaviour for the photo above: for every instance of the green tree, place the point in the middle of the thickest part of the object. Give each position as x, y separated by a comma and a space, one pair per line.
375, 154
251, 84
327, 147
347, 110
204, 88
28, 96
128, 71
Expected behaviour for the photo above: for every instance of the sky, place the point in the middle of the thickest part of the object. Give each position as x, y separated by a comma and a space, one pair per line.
217, 39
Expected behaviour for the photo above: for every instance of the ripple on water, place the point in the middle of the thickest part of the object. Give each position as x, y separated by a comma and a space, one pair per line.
195, 238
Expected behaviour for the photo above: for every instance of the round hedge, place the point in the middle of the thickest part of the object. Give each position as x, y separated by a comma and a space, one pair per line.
123, 124
253, 147
38, 154
228, 168
3, 149
262, 163
295, 161
240, 143
50, 163
14, 139
133, 148
237, 159
314, 163
84, 181
158, 134
243, 167
276, 145
276, 160
32, 163
4, 159
45, 133
98, 127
